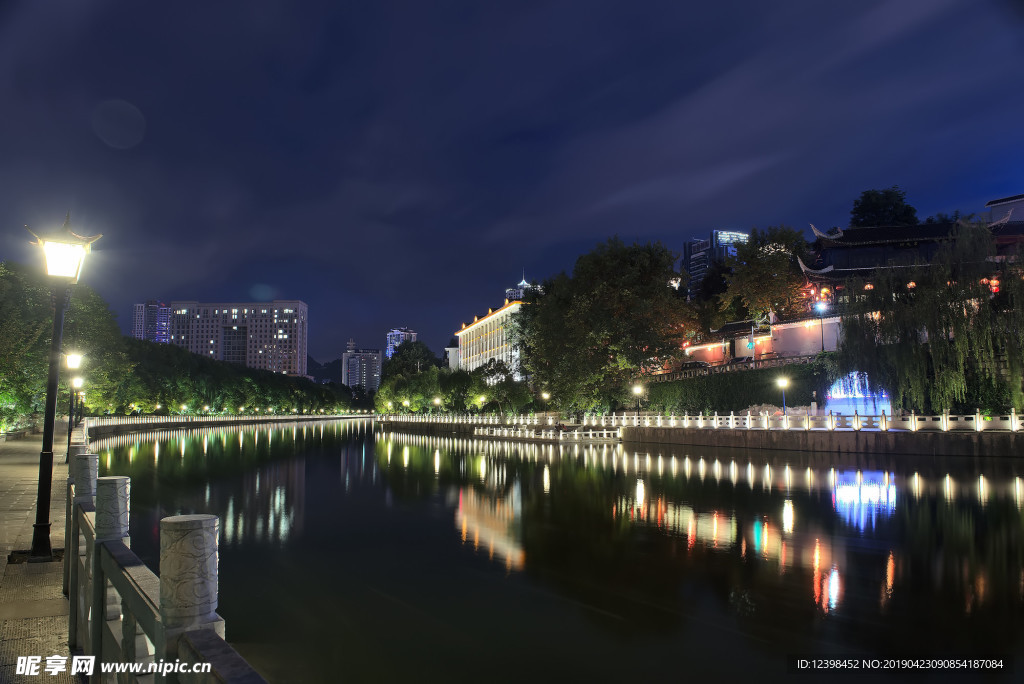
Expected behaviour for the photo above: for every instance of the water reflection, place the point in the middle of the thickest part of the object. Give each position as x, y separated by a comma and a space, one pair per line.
743, 556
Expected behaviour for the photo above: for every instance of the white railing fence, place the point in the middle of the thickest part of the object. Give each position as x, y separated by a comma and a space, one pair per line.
128, 421
792, 420
120, 611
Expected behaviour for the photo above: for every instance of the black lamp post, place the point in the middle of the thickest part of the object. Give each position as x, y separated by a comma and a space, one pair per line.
821, 307
65, 254
638, 390
73, 362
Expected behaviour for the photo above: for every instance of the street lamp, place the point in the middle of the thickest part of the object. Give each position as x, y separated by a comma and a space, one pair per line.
64, 253
822, 307
76, 385
638, 390
783, 383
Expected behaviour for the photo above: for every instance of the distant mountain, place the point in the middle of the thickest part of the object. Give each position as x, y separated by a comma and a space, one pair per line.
324, 372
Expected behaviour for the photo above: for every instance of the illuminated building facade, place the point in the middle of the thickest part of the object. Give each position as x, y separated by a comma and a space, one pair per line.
699, 255
265, 335
396, 337
151, 322
361, 367
487, 339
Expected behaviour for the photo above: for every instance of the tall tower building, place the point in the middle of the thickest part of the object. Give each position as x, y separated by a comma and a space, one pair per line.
265, 335
396, 337
151, 321
361, 367
698, 255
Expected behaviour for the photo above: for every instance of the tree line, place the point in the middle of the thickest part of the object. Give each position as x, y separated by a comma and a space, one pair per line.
123, 375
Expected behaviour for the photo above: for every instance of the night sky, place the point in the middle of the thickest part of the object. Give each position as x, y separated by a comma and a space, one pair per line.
401, 163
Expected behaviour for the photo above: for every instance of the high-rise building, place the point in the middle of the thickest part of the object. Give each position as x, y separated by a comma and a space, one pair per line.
396, 337
361, 367
698, 255
151, 322
265, 335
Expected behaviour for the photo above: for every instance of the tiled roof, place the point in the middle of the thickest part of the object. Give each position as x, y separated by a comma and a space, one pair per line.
1011, 198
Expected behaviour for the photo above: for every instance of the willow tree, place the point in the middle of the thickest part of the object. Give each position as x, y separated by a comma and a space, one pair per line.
948, 334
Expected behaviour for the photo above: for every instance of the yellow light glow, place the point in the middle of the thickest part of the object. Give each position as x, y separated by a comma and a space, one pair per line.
77, 383
63, 260
782, 382
74, 361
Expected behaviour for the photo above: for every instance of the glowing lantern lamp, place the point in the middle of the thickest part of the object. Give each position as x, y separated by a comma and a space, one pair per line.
64, 252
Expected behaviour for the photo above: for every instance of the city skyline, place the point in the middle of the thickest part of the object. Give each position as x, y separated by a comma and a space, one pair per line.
397, 162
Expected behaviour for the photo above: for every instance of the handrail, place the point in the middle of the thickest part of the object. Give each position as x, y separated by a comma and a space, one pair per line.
118, 611
792, 420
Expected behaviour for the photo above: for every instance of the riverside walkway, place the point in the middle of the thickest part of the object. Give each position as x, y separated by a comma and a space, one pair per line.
33, 609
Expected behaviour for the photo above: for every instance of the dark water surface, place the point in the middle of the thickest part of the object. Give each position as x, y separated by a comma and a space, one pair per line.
351, 556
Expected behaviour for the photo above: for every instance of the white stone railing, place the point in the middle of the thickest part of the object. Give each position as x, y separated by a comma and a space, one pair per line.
120, 611
155, 421
551, 434
945, 422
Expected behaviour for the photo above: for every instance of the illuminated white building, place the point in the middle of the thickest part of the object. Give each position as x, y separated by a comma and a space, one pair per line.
266, 335
487, 339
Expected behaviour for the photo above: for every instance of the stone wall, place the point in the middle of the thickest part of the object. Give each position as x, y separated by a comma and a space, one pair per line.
989, 443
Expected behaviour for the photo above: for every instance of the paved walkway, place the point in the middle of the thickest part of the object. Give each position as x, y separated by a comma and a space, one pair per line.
33, 609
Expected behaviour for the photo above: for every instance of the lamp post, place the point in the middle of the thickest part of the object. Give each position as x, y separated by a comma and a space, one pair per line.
638, 390
73, 361
64, 253
783, 383
821, 307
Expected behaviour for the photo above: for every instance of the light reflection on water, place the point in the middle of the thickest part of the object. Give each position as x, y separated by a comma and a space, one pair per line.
804, 552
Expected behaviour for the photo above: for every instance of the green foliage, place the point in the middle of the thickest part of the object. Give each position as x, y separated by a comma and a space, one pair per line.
120, 372
409, 358
458, 391
172, 377
765, 274
948, 342
883, 208
614, 318
724, 392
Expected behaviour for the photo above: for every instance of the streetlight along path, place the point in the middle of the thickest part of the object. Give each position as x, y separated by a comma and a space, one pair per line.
33, 609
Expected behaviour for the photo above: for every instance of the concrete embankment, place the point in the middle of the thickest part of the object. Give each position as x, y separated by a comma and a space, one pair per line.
981, 444
434, 429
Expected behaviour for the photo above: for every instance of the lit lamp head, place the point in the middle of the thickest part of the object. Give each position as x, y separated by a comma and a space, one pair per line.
437, 401
64, 251
74, 361
77, 383
782, 382
822, 307
638, 390
545, 396
483, 398
405, 402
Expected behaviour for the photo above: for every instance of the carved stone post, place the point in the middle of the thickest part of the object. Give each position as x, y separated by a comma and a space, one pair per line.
83, 470
111, 525
188, 578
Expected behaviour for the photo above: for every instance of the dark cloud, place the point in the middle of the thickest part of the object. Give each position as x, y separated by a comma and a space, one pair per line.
400, 163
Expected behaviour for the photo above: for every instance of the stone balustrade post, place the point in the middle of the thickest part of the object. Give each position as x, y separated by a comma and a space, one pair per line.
188, 578
83, 471
111, 525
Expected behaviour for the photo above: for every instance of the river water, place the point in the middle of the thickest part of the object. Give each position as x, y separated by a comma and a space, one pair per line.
353, 555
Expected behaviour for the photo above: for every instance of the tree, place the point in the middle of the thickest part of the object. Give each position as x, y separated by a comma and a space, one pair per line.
947, 335
883, 208
616, 317
765, 274
409, 358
